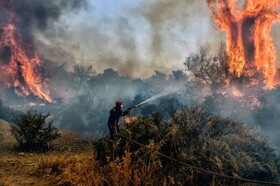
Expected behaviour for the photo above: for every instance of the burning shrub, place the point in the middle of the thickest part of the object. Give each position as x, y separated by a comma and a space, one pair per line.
199, 139
32, 132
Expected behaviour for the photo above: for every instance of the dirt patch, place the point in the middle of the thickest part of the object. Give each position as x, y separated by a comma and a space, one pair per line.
17, 169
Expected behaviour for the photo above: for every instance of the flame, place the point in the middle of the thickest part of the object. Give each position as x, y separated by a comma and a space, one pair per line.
249, 42
130, 120
19, 70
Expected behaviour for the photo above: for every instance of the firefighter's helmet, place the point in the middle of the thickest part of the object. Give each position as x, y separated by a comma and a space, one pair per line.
119, 103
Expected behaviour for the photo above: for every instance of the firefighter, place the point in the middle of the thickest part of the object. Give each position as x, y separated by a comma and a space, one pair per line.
115, 114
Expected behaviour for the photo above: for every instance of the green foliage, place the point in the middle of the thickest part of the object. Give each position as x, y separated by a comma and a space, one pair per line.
32, 132
199, 139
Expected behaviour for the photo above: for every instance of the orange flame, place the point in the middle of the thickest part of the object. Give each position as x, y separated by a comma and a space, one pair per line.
20, 70
130, 120
248, 34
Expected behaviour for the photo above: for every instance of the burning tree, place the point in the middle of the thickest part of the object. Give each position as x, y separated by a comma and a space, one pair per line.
230, 96
19, 63
243, 68
20, 66
249, 43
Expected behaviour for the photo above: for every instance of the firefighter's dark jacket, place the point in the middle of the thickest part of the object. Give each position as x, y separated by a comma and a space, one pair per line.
115, 114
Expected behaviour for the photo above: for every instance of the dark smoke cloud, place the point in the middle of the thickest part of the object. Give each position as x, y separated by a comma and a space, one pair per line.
41, 13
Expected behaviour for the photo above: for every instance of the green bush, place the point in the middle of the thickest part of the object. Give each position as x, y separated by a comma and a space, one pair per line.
32, 132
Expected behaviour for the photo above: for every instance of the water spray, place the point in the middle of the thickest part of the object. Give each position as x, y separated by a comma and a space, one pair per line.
167, 91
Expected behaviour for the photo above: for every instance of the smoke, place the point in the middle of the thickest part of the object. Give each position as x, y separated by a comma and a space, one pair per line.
87, 112
166, 18
136, 37
39, 14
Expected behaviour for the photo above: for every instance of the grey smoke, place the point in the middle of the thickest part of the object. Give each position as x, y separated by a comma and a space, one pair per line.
163, 16
139, 39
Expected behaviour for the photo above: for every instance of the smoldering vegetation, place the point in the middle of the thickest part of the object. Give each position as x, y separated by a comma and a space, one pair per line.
94, 96
83, 97
169, 153
202, 140
235, 146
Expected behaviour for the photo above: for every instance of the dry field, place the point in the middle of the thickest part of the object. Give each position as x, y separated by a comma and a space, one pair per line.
20, 169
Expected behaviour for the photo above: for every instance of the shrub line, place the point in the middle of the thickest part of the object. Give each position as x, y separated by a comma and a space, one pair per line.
201, 169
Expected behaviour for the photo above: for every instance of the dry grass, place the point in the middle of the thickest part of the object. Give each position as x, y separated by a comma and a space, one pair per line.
190, 136
18, 168
69, 170
2, 181
83, 169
